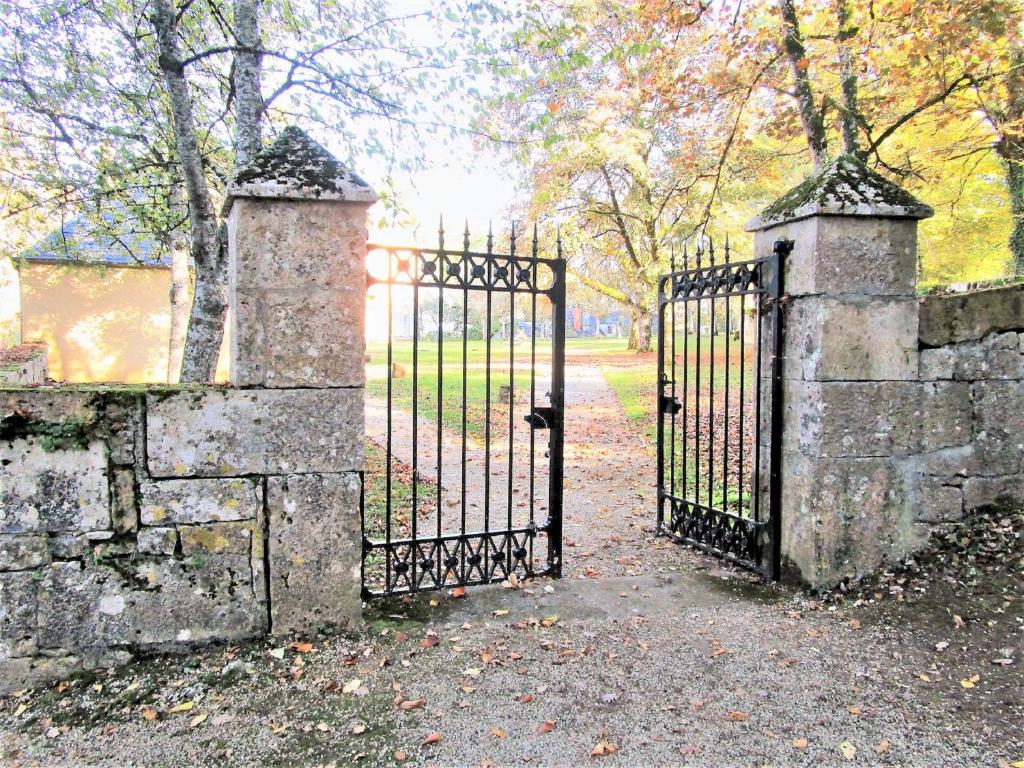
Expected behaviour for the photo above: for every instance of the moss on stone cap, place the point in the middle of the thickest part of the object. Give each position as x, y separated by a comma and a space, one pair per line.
296, 167
844, 187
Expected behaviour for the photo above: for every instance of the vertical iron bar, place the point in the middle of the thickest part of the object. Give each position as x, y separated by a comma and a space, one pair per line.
511, 389
485, 544
660, 407
414, 275
698, 277
711, 387
727, 300
686, 384
672, 416
533, 379
780, 250
387, 480
440, 369
557, 431
465, 338
743, 394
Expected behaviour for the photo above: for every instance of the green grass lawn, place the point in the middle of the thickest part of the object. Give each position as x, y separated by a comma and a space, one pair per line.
451, 375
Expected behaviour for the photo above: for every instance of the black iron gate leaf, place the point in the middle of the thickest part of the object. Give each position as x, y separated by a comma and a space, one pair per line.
463, 488
719, 405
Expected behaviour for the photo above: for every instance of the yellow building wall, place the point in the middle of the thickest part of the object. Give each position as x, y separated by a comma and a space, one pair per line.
102, 323
99, 323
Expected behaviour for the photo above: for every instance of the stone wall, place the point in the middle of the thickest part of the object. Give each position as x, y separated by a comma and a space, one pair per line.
134, 521
972, 347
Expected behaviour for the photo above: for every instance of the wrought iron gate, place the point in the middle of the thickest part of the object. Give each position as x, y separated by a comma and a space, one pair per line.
719, 405
458, 490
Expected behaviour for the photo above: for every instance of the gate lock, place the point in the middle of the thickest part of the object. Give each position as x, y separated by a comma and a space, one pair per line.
670, 405
542, 417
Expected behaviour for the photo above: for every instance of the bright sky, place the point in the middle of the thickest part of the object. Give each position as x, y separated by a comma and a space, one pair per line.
460, 181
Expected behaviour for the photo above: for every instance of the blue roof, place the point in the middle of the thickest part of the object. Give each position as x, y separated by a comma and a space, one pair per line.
77, 241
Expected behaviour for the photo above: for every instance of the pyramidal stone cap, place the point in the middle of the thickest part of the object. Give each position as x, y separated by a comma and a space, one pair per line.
844, 187
296, 167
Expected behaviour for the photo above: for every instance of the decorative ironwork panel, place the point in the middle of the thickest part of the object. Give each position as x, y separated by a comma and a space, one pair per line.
464, 461
719, 405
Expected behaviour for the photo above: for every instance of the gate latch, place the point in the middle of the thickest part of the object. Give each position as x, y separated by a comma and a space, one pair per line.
542, 417
670, 405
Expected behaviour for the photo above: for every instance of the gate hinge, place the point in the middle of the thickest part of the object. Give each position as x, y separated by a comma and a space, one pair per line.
670, 405
542, 417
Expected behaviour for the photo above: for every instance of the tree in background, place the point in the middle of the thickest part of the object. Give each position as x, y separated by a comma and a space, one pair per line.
642, 124
137, 114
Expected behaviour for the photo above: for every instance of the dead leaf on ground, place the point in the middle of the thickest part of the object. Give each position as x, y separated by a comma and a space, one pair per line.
409, 704
736, 716
848, 750
499, 733
185, 706
149, 713
547, 726
883, 747
800, 743
459, 592
432, 738
603, 748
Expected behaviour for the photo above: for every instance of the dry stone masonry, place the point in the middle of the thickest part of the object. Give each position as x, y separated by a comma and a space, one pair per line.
142, 519
899, 412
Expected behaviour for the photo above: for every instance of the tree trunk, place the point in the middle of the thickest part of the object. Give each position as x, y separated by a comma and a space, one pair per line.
810, 118
640, 330
848, 114
246, 82
1011, 149
209, 304
1012, 153
181, 290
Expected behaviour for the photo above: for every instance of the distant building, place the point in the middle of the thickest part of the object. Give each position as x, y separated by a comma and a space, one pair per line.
104, 315
582, 323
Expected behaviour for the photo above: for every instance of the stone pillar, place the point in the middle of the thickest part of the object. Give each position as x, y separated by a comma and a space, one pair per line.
297, 266
851, 397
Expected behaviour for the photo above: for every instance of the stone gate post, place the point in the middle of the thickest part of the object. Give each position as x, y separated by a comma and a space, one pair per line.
850, 368
297, 235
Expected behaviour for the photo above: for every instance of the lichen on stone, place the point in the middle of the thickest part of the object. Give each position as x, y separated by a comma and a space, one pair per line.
295, 160
844, 187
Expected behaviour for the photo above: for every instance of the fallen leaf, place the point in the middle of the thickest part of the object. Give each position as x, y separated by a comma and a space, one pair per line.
432, 738
198, 720
603, 748
499, 733
546, 727
352, 685
854, 710
719, 652
883, 747
149, 713
185, 706
301, 647
549, 621
800, 743
277, 653
358, 728
848, 750
736, 716
500, 612
400, 756
526, 698
412, 704
459, 592
471, 672
22, 708
969, 682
